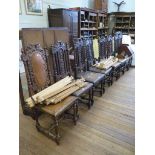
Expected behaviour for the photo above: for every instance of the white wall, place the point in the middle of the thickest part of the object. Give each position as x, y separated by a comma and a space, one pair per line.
128, 7
26, 21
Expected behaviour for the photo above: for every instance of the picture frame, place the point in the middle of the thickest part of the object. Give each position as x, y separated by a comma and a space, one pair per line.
34, 7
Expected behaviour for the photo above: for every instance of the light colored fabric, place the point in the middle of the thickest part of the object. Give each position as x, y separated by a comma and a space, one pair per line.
126, 39
132, 47
96, 48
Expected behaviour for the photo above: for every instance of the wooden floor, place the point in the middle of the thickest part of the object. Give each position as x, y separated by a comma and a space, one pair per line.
108, 128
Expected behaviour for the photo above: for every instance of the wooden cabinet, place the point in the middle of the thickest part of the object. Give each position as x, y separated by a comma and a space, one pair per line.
64, 18
101, 5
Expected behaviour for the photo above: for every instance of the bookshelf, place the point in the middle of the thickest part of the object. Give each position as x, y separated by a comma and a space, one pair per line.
91, 22
102, 23
125, 22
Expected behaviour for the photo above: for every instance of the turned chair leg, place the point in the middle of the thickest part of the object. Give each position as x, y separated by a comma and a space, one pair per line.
89, 101
108, 80
111, 78
75, 109
103, 89
57, 136
101, 92
92, 96
37, 123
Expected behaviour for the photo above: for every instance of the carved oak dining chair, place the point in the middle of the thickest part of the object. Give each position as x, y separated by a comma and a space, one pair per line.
39, 77
61, 66
115, 67
102, 55
119, 48
82, 66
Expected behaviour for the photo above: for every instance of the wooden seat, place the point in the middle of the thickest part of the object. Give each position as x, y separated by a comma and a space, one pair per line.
92, 77
98, 70
106, 72
116, 65
59, 108
83, 90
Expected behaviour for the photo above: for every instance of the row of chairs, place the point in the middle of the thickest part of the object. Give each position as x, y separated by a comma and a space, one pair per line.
46, 66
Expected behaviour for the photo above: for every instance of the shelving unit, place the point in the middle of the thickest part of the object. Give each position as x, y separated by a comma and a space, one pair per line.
125, 22
87, 22
102, 23
81, 22
92, 22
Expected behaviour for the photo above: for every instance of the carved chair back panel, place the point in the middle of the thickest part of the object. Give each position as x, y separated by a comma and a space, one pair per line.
120, 39
36, 67
80, 56
117, 41
102, 47
60, 59
88, 43
109, 46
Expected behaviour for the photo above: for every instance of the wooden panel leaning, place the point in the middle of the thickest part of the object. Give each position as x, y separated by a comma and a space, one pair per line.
39, 77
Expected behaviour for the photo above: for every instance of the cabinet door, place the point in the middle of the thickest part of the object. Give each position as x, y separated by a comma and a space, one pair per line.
67, 20
70, 19
55, 18
74, 19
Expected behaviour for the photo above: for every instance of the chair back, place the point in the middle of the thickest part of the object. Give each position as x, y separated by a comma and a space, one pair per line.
109, 46
102, 47
37, 69
60, 58
80, 56
117, 41
88, 43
